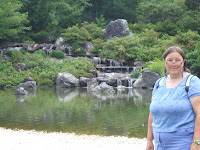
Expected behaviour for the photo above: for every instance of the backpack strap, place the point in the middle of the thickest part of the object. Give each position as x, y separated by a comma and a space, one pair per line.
160, 82
187, 84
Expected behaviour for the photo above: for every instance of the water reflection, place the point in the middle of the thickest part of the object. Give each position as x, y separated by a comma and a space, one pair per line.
31, 94
78, 110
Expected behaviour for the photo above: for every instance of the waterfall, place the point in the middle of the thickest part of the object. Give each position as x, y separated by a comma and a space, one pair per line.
111, 62
103, 69
134, 69
127, 69
130, 83
119, 82
69, 50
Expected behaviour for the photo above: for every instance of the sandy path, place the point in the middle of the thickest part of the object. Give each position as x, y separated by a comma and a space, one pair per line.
33, 140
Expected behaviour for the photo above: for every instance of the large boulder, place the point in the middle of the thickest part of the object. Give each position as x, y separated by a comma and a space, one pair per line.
118, 28
66, 80
28, 85
103, 88
146, 80
21, 91
85, 82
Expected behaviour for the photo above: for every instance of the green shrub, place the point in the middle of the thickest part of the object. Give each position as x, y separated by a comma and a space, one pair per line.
11, 52
98, 45
101, 22
135, 74
9, 76
40, 52
188, 40
58, 54
157, 66
77, 49
75, 34
78, 67
93, 30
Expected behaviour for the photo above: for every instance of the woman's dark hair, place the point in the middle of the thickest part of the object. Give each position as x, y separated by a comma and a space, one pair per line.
178, 50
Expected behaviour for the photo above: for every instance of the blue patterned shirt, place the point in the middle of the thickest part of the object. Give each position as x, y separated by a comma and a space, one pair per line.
171, 107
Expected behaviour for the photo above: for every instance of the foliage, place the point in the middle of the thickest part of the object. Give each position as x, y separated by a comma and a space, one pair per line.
135, 74
40, 52
76, 35
12, 22
98, 45
52, 16
58, 54
160, 11
79, 35
157, 66
43, 71
9, 76
194, 60
79, 67
187, 40
112, 9
167, 27
101, 22
12, 52
77, 49
145, 46
140, 27
93, 29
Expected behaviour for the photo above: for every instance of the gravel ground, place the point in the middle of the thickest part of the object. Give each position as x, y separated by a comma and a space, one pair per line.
34, 140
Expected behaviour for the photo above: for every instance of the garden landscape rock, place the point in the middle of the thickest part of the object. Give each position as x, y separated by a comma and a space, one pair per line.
66, 80
28, 85
21, 91
118, 28
146, 80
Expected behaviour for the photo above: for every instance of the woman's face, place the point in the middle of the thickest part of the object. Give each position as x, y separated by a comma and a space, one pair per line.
174, 63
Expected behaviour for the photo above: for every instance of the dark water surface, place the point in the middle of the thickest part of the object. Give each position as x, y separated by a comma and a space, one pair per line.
123, 113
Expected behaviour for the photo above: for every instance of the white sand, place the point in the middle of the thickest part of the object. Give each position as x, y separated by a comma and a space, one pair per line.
33, 140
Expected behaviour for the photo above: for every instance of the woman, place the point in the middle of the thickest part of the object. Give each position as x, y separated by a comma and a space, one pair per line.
174, 118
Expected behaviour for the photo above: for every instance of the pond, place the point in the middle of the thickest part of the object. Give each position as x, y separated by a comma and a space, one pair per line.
123, 113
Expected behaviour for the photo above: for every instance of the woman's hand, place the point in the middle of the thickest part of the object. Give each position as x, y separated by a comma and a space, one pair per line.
194, 146
150, 145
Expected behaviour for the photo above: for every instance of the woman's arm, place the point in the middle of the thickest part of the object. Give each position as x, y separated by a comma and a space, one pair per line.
150, 145
195, 101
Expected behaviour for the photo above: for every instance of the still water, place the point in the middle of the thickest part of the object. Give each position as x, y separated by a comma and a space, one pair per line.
123, 113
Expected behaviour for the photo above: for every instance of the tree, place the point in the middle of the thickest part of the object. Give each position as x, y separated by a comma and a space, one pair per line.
193, 5
51, 17
112, 10
159, 11
12, 22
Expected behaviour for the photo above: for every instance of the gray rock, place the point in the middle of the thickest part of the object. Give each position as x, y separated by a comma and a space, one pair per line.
28, 79
103, 87
88, 47
118, 28
20, 66
146, 80
21, 91
28, 85
84, 81
92, 84
66, 80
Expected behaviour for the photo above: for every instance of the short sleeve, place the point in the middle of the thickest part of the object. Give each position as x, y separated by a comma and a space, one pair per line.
194, 87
